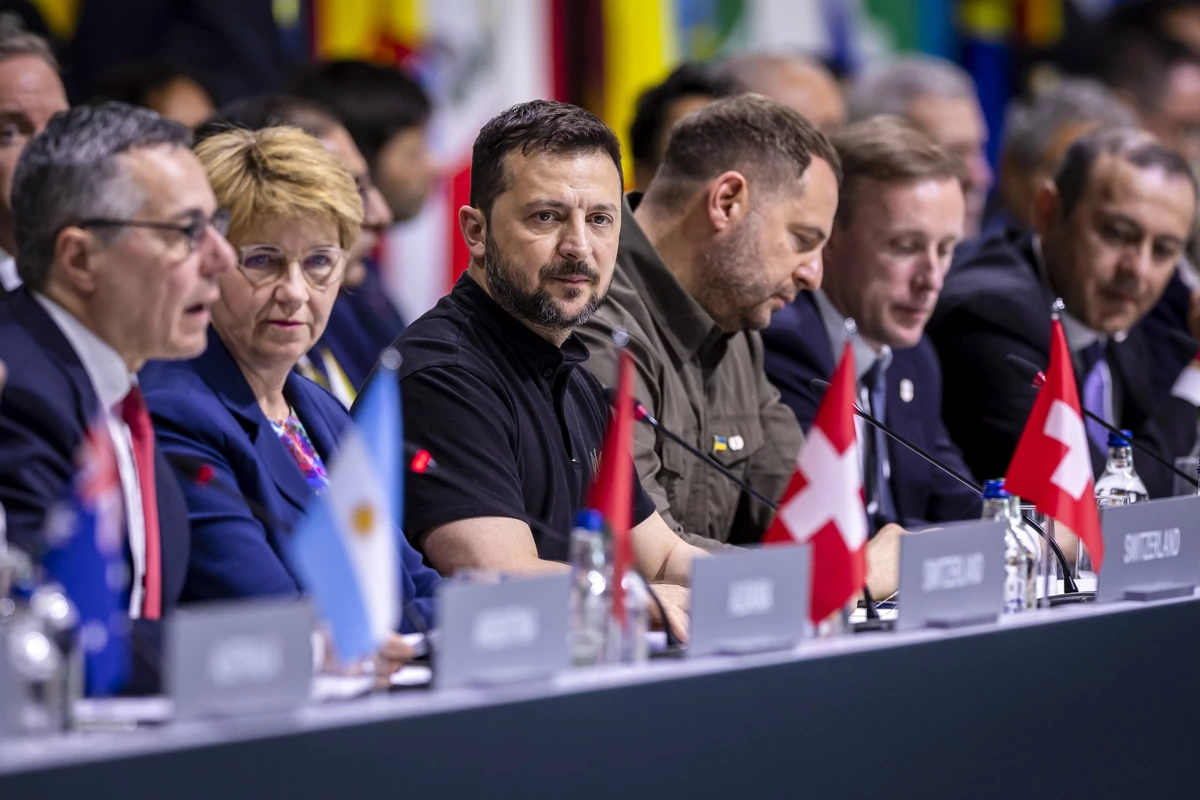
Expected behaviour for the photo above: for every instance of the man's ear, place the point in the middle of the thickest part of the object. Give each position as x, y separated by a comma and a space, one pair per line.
1047, 208
75, 259
473, 225
728, 199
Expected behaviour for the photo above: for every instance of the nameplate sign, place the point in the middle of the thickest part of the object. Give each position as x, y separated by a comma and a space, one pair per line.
10, 700
952, 576
240, 658
749, 600
1151, 550
511, 630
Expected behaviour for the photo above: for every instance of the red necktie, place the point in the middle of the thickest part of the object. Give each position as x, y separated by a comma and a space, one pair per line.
133, 411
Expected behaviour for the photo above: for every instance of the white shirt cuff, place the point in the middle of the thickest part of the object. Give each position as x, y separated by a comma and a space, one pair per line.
1187, 385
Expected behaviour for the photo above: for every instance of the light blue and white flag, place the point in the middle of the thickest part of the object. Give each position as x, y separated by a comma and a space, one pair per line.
347, 547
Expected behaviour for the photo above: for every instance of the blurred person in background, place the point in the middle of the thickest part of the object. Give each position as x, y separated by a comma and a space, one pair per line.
799, 82
938, 97
687, 88
363, 321
386, 113
158, 86
240, 407
1158, 76
120, 248
1037, 133
30, 93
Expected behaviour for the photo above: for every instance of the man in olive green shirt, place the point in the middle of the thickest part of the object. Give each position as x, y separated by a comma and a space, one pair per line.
729, 230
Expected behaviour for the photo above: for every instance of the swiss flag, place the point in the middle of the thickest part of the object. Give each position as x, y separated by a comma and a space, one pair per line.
611, 492
1052, 466
823, 503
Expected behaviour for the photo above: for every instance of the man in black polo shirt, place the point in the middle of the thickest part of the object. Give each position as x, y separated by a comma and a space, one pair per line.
491, 378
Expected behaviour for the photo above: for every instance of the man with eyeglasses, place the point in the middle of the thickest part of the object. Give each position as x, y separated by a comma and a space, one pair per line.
120, 245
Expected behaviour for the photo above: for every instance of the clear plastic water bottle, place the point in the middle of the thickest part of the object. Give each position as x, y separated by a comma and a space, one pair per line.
1019, 561
1118, 486
632, 646
591, 591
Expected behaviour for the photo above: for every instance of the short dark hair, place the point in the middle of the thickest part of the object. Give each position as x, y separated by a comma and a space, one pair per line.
1139, 60
890, 150
374, 102
269, 111
539, 126
1132, 145
134, 82
69, 172
757, 136
688, 80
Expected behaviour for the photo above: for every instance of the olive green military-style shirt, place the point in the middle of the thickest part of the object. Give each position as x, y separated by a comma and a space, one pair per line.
702, 383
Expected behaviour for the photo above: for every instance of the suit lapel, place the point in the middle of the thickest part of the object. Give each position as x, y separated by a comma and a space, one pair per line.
218, 369
34, 317
813, 333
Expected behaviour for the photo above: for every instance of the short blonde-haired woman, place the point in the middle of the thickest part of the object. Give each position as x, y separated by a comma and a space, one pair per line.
265, 430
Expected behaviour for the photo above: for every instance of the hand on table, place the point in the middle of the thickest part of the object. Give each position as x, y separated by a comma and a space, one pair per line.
675, 600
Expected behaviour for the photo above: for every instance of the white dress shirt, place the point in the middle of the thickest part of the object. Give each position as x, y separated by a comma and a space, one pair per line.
8, 272
111, 381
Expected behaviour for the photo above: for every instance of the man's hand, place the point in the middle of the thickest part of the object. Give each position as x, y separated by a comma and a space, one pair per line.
883, 561
393, 655
675, 600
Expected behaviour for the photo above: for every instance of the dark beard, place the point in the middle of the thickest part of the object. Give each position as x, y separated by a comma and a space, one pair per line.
537, 307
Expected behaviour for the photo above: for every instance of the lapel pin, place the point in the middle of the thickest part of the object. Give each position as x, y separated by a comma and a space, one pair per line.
906, 390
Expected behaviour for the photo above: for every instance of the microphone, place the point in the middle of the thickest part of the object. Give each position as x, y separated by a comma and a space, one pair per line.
1029, 371
642, 414
421, 462
819, 387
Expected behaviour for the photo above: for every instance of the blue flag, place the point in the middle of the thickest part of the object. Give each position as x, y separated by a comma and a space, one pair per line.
347, 547
85, 555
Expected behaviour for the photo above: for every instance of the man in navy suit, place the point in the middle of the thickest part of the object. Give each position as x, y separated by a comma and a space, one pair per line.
1110, 229
114, 223
900, 216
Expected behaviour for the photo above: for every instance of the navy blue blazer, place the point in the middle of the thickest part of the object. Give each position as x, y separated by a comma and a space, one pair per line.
798, 349
204, 408
45, 408
1168, 354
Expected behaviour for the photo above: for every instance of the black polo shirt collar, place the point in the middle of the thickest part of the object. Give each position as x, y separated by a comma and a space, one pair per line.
541, 355
687, 326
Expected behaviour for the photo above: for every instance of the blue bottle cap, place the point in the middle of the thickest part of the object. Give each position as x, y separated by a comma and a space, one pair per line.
589, 519
994, 490
1121, 439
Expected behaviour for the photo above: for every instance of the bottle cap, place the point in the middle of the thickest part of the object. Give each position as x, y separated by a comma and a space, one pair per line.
589, 519
994, 490
1121, 439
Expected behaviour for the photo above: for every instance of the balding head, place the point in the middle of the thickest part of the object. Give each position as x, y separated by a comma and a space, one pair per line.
799, 82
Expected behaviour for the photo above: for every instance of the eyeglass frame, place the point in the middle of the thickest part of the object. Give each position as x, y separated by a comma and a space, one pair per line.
192, 232
342, 261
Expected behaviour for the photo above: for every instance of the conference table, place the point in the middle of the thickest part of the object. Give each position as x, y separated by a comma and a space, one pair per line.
1077, 701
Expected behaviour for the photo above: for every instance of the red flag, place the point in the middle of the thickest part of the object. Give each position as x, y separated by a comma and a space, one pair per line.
611, 492
823, 503
1052, 466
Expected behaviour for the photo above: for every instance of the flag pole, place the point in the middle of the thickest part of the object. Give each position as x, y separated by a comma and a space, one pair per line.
1056, 310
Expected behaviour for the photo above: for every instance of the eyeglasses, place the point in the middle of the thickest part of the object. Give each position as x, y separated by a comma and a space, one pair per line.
264, 263
192, 231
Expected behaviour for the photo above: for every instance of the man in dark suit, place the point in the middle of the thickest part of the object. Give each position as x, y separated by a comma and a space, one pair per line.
900, 216
114, 223
1110, 229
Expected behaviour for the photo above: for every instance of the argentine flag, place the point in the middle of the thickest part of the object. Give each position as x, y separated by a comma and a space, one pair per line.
347, 546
